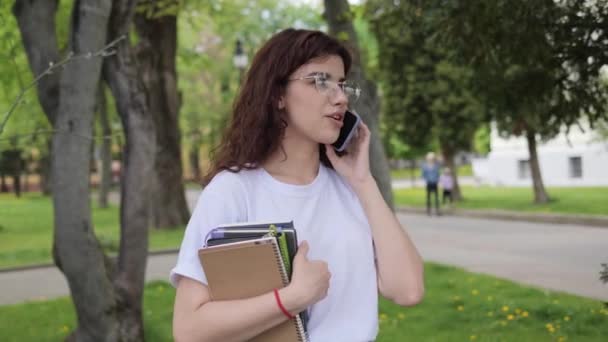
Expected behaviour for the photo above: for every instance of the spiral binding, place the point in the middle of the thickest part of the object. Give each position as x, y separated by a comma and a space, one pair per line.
302, 334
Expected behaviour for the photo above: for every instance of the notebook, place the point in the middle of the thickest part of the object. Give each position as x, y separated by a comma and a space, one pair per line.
285, 231
247, 269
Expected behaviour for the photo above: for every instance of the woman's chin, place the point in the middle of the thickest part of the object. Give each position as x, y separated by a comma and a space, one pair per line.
329, 139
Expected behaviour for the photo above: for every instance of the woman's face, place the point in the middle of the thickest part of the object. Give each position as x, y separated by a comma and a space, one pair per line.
315, 108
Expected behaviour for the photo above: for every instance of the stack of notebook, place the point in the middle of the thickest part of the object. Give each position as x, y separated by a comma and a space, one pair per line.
248, 260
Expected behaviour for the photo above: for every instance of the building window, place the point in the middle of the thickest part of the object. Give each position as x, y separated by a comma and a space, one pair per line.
523, 168
576, 167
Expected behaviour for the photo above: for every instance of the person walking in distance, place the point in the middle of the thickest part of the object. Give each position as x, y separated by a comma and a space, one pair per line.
446, 182
430, 174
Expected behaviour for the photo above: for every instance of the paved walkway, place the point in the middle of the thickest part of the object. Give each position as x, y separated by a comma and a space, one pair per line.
559, 257
553, 256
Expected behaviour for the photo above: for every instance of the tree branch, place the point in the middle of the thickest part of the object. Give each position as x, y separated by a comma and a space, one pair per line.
104, 52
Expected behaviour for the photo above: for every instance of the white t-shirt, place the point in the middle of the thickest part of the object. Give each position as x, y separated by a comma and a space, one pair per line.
327, 214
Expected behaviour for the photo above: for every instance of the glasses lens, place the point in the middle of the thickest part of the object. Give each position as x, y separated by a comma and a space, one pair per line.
351, 90
329, 88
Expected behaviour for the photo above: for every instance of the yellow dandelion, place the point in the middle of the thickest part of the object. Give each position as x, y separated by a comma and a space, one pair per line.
383, 317
474, 292
401, 315
505, 308
567, 318
551, 330
549, 326
456, 298
524, 314
490, 298
510, 317
561, 339
65, 328
518, 311
472, 337
460, 307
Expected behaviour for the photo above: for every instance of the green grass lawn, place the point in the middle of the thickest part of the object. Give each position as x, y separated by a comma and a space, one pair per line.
591, 201
464, 170
458, 306
26, 230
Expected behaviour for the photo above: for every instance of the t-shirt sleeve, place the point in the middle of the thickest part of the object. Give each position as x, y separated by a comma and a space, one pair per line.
220, 202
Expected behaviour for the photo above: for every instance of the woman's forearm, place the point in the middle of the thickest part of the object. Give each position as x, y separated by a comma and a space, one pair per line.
234, 320
399, 265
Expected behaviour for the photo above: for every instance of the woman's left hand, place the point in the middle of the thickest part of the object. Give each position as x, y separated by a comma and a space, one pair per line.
354, 166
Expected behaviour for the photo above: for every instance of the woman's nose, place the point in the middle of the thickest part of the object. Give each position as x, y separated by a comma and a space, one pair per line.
338, 96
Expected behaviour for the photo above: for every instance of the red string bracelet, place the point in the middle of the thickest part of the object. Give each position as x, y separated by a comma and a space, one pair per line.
287, 313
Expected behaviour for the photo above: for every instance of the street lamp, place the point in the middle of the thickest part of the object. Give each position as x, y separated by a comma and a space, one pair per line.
239, 59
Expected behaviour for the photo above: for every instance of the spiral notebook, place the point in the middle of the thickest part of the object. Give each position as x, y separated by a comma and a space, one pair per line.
247, 269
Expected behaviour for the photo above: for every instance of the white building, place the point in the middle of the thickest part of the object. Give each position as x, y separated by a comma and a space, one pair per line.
579, 159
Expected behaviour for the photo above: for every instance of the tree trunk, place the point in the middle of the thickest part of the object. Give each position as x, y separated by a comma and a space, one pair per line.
123, 75
338, 16
156, 54
413, 171
540, 195
448, 159
77, 251
105, 169
3, 187
195, 163
45, 169
107, 300
36, 21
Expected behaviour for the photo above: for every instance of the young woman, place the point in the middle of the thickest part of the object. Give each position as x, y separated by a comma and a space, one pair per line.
275, 164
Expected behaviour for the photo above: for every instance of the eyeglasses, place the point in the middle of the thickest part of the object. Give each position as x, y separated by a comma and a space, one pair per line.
329, 88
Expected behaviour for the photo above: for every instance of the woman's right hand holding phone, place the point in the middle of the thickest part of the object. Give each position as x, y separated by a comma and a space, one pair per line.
309, 281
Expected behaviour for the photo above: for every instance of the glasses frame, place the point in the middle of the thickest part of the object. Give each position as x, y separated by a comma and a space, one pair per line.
338, 85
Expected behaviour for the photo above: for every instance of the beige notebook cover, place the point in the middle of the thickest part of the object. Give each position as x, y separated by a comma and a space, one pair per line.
247, 269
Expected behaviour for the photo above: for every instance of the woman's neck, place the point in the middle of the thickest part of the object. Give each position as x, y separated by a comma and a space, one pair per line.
295, 163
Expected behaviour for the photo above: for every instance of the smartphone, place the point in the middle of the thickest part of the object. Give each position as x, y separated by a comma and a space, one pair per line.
348, 130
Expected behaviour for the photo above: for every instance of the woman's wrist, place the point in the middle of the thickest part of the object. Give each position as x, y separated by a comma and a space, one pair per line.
363, 185
292, 301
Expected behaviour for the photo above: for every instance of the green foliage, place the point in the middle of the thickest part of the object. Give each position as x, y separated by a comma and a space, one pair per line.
537, 63
584, 201
368, 45
427, 92
481, 140
27, 126
15, 76
154, 9
458, 306
207, 77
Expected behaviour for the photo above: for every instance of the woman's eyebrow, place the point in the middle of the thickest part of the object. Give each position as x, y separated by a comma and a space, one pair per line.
324, 74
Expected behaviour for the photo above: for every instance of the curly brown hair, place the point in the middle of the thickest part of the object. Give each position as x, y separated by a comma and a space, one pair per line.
257, 126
